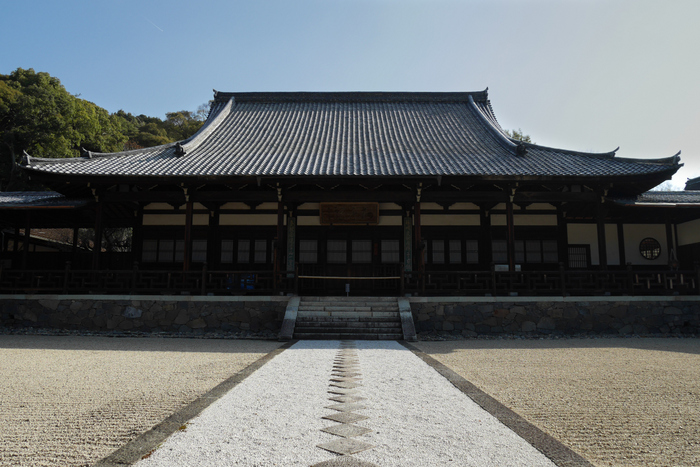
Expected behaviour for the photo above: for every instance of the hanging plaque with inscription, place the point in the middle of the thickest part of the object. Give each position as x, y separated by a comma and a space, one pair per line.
349, 213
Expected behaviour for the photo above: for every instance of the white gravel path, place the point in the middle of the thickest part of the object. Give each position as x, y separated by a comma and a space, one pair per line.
274, 417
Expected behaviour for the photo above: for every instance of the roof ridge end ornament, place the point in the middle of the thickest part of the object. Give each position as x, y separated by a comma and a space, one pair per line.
85, 153
26, 159
179, 149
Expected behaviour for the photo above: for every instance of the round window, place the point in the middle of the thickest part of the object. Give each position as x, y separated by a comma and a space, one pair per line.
650, 248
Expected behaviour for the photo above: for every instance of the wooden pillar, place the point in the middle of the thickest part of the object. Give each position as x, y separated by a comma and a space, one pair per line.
669, 240
621, 243
214, 240
419, 247
279, 242
562, 238
74, 249
137, 237
187, 260
15, 248
407, 244
291, 243
511, 235
602, 245
485, 244
26, 243
97, 245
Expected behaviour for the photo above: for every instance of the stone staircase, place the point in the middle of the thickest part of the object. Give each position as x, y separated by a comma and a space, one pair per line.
363, 318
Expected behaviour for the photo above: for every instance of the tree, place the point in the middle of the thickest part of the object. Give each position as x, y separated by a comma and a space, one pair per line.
39, 116
519, 135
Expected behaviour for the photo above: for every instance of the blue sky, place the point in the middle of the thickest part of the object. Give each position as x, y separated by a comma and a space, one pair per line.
580, 74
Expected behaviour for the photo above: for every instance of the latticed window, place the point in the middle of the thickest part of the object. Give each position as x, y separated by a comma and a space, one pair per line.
390, 251
166, 253
199, 251
260, 251
337, 251
533, 251
243, 253
472, 251
362, 251
308, 251
578, 256
179, 250
227, 251
455, 251
500, 251
550, 251
438, 247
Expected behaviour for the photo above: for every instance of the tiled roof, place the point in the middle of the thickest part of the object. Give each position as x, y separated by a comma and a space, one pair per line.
660, 198
352, 134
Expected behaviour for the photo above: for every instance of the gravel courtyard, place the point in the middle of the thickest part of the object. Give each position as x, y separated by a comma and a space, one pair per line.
70, 401
622, 402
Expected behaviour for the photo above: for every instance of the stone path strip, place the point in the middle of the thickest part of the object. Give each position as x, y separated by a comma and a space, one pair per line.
344, 390
280, 416
145, 444
560, 454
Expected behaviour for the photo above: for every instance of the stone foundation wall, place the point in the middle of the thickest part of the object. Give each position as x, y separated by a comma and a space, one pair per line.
602, 315
147, 313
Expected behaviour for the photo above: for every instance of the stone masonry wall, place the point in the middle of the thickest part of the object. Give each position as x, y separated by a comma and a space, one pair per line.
148, 314
557, 317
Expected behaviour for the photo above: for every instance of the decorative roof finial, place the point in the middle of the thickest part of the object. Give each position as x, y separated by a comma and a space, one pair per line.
179, 149
85, 153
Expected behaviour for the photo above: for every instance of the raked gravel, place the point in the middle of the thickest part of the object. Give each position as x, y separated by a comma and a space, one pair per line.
274, 417
71, 400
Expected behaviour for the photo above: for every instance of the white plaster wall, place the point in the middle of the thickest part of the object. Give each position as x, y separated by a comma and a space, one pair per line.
390, 220
612, 245
585, 234
540, 207
159, 206
309, 206
248, 219
389, 206
236, 205
164, 219
689, 232
464, 206
525, 219
635, 233
449, 219
308, 220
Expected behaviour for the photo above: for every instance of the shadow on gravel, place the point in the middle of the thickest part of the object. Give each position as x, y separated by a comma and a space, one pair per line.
689, 345
137, 344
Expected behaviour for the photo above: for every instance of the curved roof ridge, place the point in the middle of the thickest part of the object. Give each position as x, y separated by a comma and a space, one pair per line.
351, 96
597, 155
213, 122
215, 119
495, 131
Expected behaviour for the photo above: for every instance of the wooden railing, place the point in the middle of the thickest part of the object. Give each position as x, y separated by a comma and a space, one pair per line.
141, 281
557, 282
388, 280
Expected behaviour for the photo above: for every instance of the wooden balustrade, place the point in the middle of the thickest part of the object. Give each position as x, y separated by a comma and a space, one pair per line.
386, 279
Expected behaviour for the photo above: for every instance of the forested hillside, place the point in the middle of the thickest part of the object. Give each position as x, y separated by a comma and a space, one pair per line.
39, 116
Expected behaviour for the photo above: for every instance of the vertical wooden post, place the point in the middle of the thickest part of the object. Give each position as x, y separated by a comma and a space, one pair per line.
279, 244
26, 240
602, 245
562, 238
485, 246
669, 240
511, 235
15, 249
137, 236
188, 237
621, 244
74, 248
97, 245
